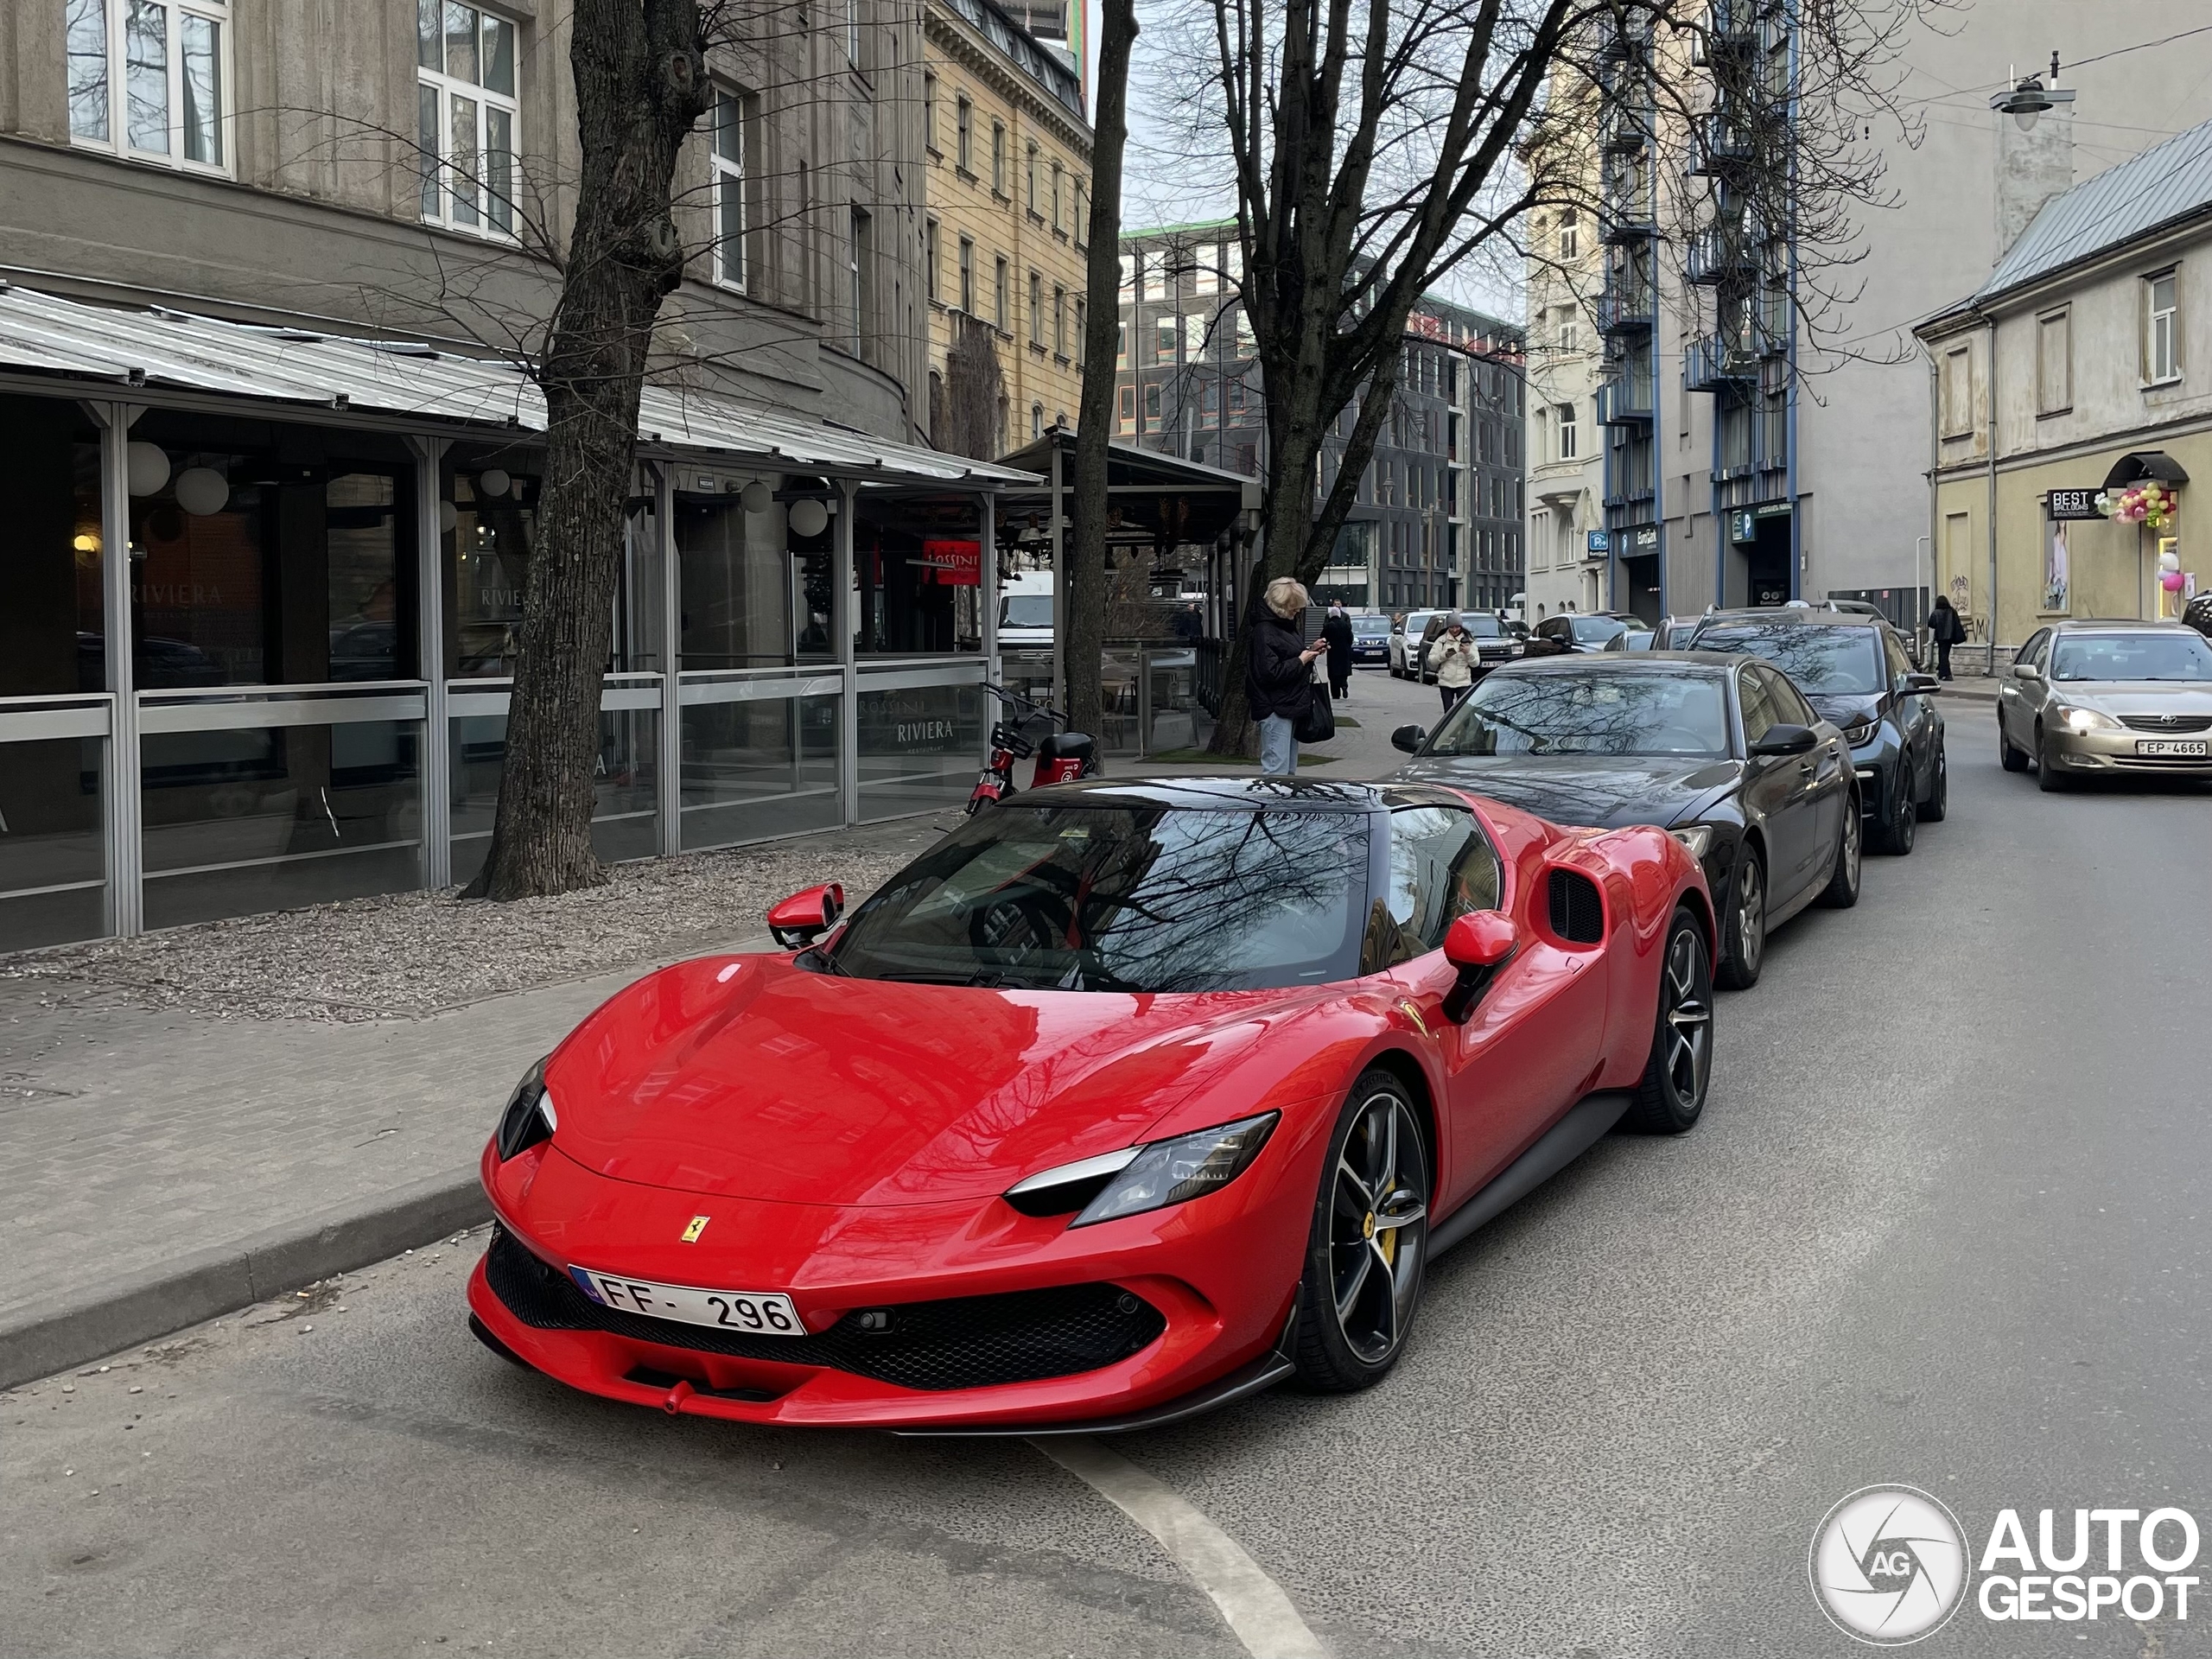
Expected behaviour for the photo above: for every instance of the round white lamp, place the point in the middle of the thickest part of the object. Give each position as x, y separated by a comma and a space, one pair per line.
149, 465
756, 496
809, 517
493, 481
201, 491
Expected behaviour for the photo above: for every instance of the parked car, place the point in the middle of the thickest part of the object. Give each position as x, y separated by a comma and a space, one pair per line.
1580, 630
1721, 751
1853, 667
1370, 637
1632, 640
2093, 699
1408, 636
1495, 643
833, 1187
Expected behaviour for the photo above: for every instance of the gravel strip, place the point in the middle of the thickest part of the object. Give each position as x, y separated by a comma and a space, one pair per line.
406, 955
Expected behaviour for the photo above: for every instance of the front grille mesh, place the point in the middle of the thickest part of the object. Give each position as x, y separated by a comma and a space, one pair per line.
2161, 724
969, 1342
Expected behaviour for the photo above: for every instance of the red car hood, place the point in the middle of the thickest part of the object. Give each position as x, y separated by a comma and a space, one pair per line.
744, 1078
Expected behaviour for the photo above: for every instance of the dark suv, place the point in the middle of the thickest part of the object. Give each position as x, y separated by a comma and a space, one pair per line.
1852, 667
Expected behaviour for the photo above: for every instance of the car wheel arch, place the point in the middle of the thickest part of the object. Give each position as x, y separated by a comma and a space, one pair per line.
1700, 905
1410, 1072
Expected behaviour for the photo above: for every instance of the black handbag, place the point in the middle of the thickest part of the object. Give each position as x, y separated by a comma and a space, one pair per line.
1316, 722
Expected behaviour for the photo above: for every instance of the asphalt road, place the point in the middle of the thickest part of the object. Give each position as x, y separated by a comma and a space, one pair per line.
1942, 1225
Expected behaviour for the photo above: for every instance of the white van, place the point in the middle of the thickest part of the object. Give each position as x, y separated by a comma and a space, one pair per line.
1025, 612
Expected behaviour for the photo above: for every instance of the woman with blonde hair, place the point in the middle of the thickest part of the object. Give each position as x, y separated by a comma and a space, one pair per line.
1279, 674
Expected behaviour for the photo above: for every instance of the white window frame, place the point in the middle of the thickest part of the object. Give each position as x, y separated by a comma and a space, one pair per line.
933, 254
966, 296
2055, 382
734, 106
2162, 343
1570, 236
1036, 307
113, 17
1059, 177
929, 114
1081, 229
483, 194
964, 135
1565, 425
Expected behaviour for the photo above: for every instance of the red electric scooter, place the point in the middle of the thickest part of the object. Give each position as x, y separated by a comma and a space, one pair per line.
1062, 756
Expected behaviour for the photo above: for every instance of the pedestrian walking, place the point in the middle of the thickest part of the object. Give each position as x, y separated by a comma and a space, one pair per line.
1336, 634
1279, 674
1454, 656
1189, 624
1948, 629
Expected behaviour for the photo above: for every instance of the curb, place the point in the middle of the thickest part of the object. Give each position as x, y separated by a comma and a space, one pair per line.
52, 1336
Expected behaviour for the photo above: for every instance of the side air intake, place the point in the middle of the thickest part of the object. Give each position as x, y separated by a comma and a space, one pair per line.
1578, 912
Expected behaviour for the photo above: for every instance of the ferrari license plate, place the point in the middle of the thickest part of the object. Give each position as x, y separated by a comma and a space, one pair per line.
2174, 746
755, 1312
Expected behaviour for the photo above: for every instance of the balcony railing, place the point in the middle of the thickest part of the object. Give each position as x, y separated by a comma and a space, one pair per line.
1733, 23
1630, 39
1627, 221
1626, 311
1625, 403
1711, 362
1721, 251
1726, 144
1623, 126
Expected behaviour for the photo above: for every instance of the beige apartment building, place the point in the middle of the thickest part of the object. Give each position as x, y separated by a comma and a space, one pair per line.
1008, 172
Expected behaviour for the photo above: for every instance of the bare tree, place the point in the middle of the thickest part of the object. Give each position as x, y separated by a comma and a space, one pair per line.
968, 417
1084, 567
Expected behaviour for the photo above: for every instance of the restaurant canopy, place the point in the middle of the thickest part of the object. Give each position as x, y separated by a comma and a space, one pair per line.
67, 347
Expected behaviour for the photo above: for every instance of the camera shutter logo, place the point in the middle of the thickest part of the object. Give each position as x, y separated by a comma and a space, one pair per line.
1889, 1565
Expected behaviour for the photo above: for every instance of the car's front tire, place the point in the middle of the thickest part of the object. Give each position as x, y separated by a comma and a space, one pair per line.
1938, 803
1897, 835
1743, 936
1671, 1096
2051, 770
1369, 1246
2011, 759
1843, 890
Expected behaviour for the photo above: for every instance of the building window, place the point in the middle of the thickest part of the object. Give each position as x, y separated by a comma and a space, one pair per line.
853, 33
856, 263
998, 158
1564, 416
1125, 408
1955, 392
929, 113
1151, 409
1163, 339
931, 249
465, 121
1570, 235
175, 75
1081, 326
730, 113
999, 298
968, 275
1154, 274
1128, 277
1059, 224
1061, 321
1032, 181
1036, 310
1121, 346
1246, 344
2055, 362
1206, 279
2161, 332
1194, 339
964, 137
1036, 422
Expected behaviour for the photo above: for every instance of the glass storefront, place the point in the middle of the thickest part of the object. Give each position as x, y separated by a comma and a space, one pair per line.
625, 807
920, 747
760, 766
52, 841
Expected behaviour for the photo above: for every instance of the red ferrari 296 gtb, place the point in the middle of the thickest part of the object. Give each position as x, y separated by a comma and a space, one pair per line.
1122, 1101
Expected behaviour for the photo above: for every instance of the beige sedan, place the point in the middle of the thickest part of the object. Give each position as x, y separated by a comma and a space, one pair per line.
2099, 699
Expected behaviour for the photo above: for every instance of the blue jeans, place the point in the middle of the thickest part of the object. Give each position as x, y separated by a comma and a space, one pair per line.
1278, 747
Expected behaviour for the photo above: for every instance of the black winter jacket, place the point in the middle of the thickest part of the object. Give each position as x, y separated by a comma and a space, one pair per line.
1276, 680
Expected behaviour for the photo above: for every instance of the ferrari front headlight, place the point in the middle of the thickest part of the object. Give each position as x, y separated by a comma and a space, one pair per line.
529, 1116
1175, 1172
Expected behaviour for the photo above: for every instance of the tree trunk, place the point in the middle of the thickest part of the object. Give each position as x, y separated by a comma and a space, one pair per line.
641, 86
1083, 568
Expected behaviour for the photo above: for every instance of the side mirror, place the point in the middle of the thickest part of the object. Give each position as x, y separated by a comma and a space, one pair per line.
1785, 739
1924, 685
2026, 671
1409, 738
805, 917
1478, 944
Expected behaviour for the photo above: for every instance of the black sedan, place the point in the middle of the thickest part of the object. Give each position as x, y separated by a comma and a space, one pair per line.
1853, 668
1722, 751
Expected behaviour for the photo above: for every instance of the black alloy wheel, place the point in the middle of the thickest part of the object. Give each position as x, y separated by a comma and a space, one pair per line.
1938, 803
1743, 940
1897, 835
1368, 1246
1843, 890
2011, 759
1671, 1096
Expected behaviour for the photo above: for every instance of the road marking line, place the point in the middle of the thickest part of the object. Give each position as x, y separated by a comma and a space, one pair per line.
1257, 1612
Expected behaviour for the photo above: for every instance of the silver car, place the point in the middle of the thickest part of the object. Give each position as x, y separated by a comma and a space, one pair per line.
2097, 699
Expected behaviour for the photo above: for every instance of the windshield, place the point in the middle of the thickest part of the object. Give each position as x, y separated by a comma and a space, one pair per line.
1025, 611
2175, 656
1596, 630
1371, 627
1082, 897
1588, 714
1484, 627
1821, 660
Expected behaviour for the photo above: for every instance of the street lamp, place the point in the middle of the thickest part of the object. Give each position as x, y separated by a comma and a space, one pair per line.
2028, 98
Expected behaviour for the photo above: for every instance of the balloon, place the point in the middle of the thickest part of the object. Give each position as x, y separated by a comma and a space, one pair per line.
148, 466
2170, 560
2172, 581
202, 490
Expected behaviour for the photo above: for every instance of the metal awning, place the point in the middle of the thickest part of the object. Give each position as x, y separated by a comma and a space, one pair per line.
2145, 464
95, 351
